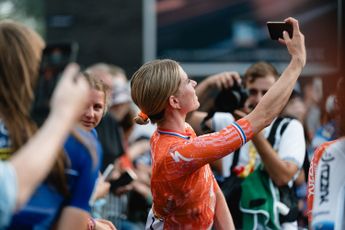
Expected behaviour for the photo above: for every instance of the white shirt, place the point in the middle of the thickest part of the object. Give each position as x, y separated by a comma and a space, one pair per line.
8, 192
290, 146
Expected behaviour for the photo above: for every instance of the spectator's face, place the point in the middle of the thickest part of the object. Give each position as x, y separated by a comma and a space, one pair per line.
94, 111
296, 108
257, 90
119, 111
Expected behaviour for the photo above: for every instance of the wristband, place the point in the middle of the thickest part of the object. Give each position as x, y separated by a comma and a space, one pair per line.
91, 224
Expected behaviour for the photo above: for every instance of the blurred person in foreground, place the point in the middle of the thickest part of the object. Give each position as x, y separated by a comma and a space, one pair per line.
185, 193
31, 163
61, 198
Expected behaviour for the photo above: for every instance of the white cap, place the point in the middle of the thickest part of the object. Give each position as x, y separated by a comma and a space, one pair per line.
120, 93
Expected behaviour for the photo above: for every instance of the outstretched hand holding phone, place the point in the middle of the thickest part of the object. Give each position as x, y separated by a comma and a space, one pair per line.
69, 98
125, 178
55, 59
71, 94
276, 29
295, 44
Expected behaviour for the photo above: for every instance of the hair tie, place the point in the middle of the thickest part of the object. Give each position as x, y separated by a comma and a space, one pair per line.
143, 116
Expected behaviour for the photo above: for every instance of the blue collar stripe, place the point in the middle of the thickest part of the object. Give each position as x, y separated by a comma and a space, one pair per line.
173, 134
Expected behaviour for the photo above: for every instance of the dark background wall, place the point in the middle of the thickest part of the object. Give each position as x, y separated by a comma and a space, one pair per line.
107, 31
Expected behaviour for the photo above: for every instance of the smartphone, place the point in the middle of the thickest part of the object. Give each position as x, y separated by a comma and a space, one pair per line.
276, 29
55, 58
107, 172
126, 177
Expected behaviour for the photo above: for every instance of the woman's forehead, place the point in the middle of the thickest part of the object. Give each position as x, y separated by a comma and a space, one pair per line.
183, 74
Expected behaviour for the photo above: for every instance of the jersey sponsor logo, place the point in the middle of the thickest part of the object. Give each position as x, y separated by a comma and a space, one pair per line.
325, 225
177, 156
311, 179
324, 177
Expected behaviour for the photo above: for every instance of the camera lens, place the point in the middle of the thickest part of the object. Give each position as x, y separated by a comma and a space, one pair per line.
231, 99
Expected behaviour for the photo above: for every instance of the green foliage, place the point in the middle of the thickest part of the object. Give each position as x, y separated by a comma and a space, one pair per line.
29, 12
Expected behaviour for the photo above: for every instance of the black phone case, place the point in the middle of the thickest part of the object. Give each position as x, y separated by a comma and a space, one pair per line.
123, 180
55, 58
276, 29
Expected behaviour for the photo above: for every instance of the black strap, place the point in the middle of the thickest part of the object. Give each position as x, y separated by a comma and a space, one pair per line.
235, 160
272, 135
205, 128
271, 138
287, 194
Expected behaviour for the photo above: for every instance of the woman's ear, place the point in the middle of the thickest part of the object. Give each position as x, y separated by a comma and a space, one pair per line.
174, 102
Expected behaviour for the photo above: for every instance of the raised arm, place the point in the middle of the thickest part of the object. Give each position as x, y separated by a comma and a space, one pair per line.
276, 98
34, 160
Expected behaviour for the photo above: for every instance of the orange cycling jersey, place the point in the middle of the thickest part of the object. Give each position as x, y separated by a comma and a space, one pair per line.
182, 183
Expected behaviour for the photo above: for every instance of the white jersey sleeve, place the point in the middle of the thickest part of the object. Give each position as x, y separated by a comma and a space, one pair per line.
8, 192
329, 197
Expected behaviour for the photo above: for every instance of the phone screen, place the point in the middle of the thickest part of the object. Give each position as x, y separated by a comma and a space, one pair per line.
276, 29
126, 177
55, 58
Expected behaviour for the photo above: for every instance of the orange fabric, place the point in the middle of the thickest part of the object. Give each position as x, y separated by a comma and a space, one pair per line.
311, 177
125, 162
182, 183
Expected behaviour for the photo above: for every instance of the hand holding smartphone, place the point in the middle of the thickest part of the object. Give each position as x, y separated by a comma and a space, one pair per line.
55, 58
276, 29
126, 177
107, 172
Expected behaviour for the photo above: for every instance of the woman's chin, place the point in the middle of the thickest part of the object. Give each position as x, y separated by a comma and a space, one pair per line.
197, 105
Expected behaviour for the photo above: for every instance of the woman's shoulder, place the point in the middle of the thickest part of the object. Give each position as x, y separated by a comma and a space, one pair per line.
83, 145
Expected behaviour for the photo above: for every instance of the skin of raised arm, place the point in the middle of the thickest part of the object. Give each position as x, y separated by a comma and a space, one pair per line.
276, 98
34, 160
222, 217
280, 171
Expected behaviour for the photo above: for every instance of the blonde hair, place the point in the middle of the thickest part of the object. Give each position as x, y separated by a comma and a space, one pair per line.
152, 85
96, 83
108, 68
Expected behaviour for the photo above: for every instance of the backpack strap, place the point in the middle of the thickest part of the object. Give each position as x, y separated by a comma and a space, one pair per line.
272, 135
287, 195
235, 160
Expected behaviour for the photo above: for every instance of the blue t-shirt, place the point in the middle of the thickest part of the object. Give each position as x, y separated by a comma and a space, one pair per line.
45, 205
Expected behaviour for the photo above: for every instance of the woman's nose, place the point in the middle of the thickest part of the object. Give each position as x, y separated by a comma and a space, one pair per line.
89, 112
